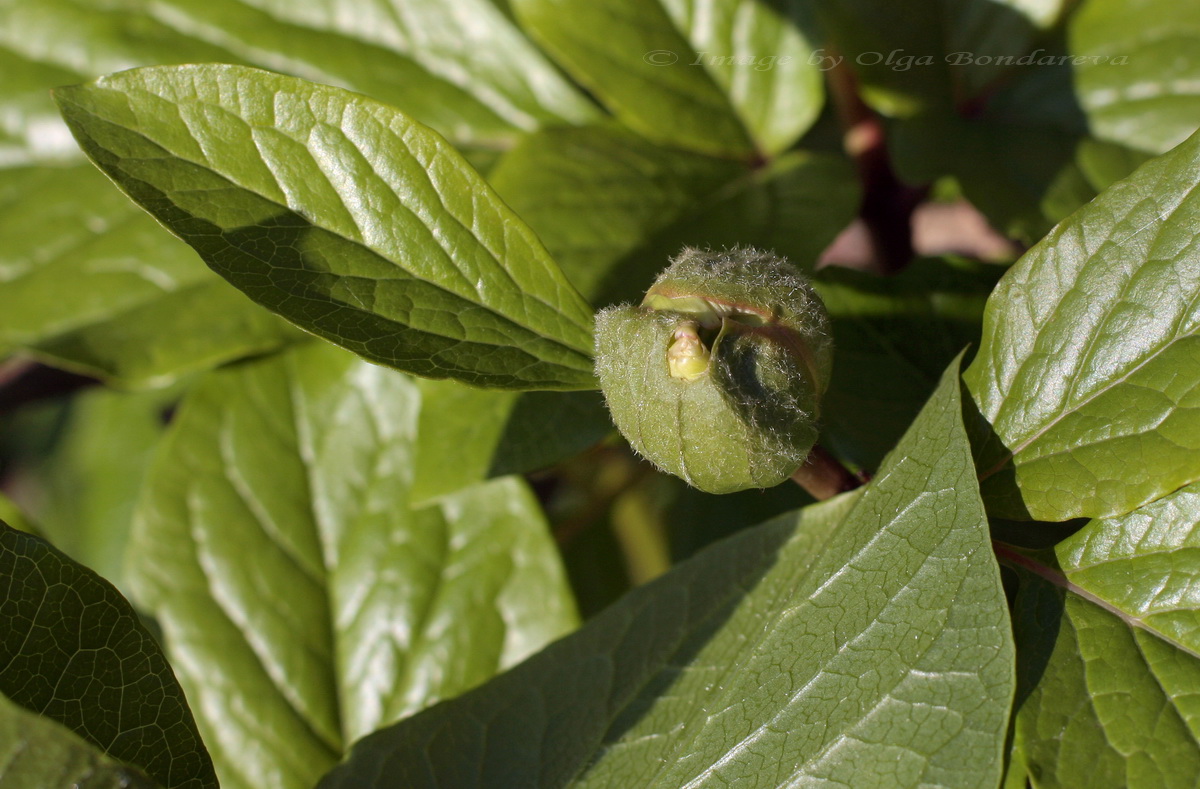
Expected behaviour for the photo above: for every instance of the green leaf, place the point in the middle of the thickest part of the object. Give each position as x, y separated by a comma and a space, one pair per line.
83, 500
902, 330
342, 215
471, 75
1113, 634
758, 56
11, 514
36, 753
1106, 701
1089, 355
73, 650
468, 435
57, 42
593, 195
627, 54
1026, 160
862, 641
302, 598
613, 209
1143, 564
1022, 176
139, 309
480, 84
719, 77
1140, 89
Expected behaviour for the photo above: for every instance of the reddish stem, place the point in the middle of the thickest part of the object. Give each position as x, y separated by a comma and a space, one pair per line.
823, 476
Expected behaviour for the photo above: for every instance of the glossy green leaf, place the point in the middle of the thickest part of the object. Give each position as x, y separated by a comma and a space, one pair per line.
342, 215
863, 641
636, 61
480, 83
36, 753
1090, 356
73, 650
1142, 87
304, 602
759, 57
89, 282
1144, 565
467, 435
1115, 699
464, 70
902, 331
689, 74
471, 75
58, 42
613, 209
1104, 701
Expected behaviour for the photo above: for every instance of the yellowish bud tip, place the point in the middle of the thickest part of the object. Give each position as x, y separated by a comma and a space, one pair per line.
687, 358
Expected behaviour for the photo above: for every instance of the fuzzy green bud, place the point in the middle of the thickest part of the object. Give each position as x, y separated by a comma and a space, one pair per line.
717, 376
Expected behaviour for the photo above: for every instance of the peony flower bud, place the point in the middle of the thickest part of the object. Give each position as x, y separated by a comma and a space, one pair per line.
718, 374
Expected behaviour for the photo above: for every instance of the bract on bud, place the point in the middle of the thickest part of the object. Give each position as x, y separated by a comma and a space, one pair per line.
717, 376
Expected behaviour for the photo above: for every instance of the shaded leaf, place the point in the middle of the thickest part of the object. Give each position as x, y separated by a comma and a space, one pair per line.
929, 55
36, 753
83, 499
73, 650
866, 636
894, 336
796, 205
1089, 354
1027, 159
1023, 177
304, 602
89, 282
593, 195
467, 435
342, 215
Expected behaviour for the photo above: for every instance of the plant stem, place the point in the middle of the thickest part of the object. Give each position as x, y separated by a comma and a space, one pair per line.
823, 476
888, 203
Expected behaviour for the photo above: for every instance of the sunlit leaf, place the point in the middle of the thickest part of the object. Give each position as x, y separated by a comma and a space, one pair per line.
303, 601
